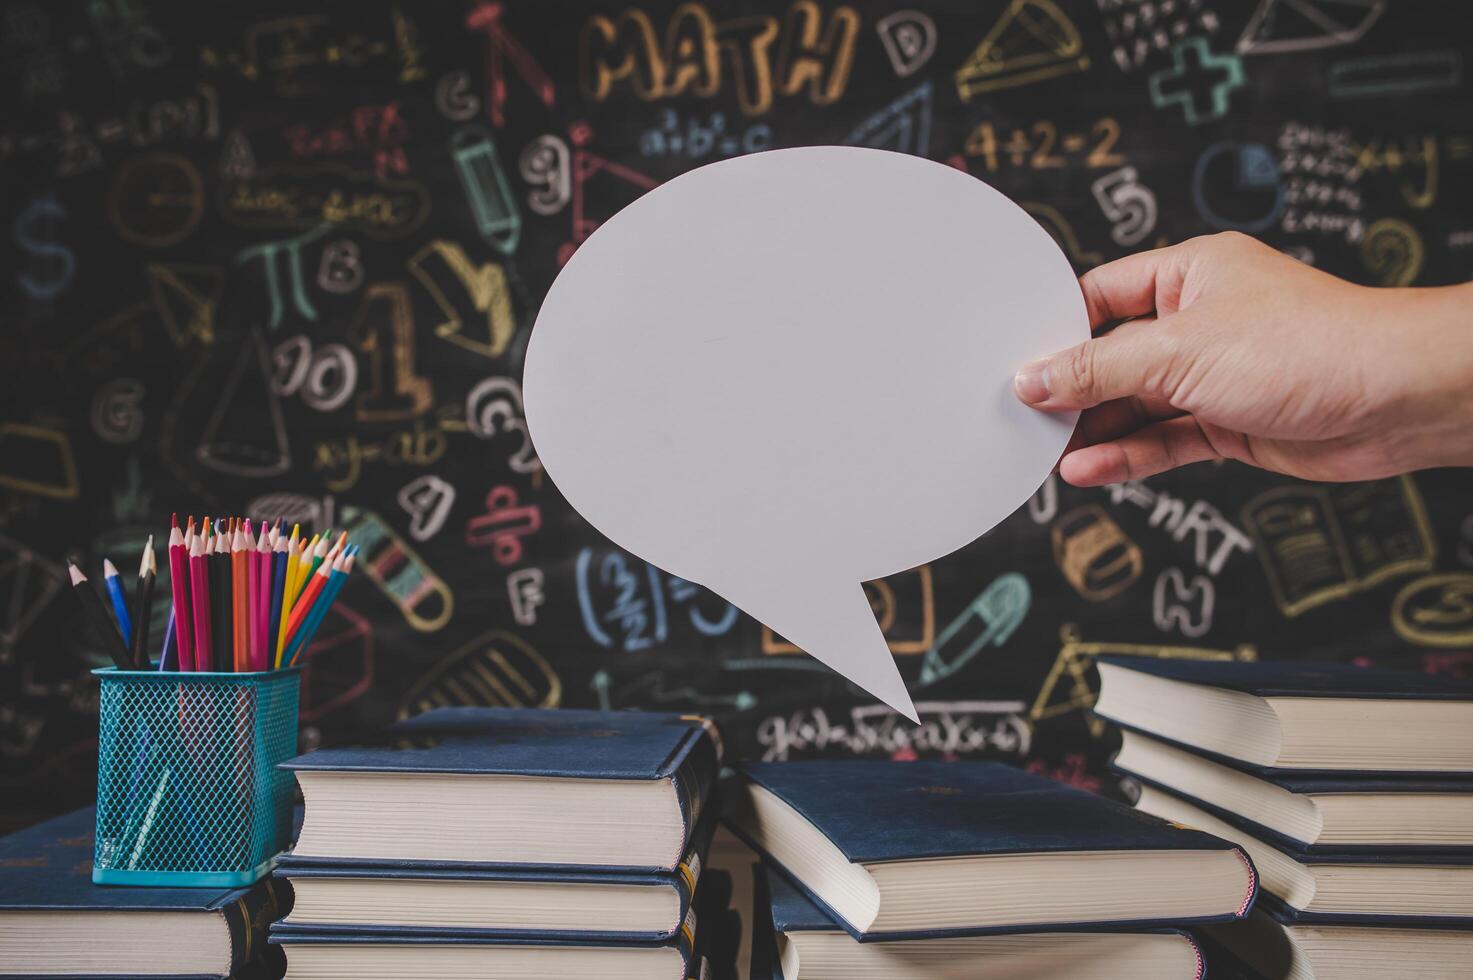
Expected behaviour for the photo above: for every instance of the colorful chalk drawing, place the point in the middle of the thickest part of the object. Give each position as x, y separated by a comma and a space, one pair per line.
441, 266
497, 669
546, 166
503, 49
909, 38
156, 200
493, 207
525, 590
1198, 81
245, 434
384, 330
35, 459
420, 595
1032, 41
428, 500
1392, 251
291, 250
1095, 555
1255, 170
989, 620
1435, 611
186, 297
503, 526
903, 126
28, 584
339, 663
625, 604
1321, 543
948, 728
587, 166
1069, 687
1396, 75
494, 407
1188, 608
1286, 26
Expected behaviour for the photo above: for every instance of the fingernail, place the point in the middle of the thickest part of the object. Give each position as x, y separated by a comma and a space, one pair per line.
1031, 382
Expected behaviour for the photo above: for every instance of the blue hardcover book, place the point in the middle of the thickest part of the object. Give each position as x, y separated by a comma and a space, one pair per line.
1276, 943
53, 919
1310, 813
329, 956
809, 945
459, 901
895, 850
1308, 717
1389, 888
490, 786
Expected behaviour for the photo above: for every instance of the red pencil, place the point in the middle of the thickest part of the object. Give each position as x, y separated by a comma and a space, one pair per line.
199, 590
179, 586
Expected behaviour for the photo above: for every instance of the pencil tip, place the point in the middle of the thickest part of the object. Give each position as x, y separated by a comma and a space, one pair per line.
108, 568
174, 519
76, 573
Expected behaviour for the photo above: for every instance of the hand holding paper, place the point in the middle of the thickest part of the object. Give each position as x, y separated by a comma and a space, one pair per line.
786, 374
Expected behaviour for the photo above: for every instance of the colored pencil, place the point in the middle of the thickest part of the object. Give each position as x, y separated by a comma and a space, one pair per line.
171, 645
240, 600
278, 596
148, 571
288, 576
100, 621
323, 546
309, 595
119, 598
179, 589
260, 654
199, 590
343, 564
304, 558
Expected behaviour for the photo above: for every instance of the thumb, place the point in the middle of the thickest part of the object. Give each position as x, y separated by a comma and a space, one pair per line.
1120, 364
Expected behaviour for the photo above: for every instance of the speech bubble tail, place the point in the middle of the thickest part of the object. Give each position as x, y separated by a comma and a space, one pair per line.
834, 624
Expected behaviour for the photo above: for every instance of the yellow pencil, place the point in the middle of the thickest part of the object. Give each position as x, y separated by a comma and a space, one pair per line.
286, 592
304, 550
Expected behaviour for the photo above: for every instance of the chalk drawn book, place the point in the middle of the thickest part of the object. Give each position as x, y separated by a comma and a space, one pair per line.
451, 900
1308, 812
494, 786
332, 956
895, 850
1274, 941
809, 945
54, 920
1309, 717
1382, 887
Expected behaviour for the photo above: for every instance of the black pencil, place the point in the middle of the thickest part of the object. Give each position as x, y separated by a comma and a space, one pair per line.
104, 626
148, 571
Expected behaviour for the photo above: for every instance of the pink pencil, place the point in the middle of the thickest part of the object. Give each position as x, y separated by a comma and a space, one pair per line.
199, 592
259, 653
179, 586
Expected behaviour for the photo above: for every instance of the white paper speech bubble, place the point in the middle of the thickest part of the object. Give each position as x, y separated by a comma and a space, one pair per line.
785, 374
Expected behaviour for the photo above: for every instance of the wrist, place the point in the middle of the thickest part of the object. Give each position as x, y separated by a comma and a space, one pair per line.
1427, 354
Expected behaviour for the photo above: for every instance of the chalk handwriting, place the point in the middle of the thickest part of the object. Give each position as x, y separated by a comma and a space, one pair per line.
948, 728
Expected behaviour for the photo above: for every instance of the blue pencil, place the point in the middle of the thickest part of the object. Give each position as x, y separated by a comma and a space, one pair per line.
120, 601
169, 655
319, 610
278, 586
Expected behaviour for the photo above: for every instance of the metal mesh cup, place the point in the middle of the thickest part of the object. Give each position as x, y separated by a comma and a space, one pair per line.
188, 790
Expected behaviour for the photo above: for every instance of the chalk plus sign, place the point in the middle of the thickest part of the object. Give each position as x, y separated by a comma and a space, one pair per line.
1199, 81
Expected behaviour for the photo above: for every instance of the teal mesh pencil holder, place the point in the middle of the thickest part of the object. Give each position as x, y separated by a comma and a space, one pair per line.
188, 790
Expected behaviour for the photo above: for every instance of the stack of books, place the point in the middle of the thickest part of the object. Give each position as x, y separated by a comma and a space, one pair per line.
928, 871
55, 922
482, 842
1351, 788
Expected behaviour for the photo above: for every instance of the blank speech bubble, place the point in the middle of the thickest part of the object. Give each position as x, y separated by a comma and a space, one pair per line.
785, 374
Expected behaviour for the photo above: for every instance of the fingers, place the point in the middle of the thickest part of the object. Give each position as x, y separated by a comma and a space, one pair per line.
1135, 285
1146, 452
1118, 365
1118, 418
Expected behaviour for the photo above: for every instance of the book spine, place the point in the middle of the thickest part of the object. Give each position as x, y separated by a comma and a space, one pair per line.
695, 777
685, 938
250, 916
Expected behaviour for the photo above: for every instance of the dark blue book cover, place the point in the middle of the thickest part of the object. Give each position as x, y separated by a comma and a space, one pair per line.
876, 812
541, 742
683, 881
1297, 679
1299, 848
905, 811
48, 868
1287, 915
1378, 780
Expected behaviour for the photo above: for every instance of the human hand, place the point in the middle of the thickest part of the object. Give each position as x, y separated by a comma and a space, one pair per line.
1237, 351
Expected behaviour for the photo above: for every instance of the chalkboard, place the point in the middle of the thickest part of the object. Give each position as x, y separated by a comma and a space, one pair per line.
283, 259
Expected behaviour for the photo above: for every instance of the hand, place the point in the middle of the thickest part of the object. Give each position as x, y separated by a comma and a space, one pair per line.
1232, 350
